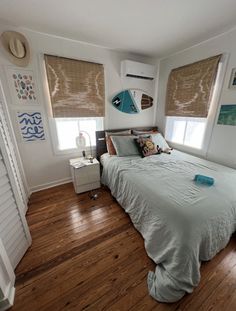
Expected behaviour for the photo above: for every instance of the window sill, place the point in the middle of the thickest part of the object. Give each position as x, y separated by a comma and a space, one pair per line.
74, 152
187, 149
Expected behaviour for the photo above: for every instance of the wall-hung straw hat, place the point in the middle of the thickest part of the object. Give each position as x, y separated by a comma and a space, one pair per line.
17, 47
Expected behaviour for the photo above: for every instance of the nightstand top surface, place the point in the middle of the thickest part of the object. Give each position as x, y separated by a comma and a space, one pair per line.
82, 160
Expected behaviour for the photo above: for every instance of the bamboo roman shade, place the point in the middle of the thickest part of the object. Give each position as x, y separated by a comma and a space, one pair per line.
76, 87
190, 87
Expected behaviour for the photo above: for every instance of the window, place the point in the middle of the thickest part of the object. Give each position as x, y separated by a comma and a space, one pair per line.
186, 131
190, 88
76, 87
77, 95
67, 129
191, 91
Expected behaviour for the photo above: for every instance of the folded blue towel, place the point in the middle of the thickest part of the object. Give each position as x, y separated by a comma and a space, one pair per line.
201, 179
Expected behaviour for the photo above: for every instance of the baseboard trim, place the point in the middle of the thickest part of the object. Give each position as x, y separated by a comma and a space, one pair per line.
51, 184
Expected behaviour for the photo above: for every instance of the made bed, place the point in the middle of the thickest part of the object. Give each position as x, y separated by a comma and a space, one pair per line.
182, 223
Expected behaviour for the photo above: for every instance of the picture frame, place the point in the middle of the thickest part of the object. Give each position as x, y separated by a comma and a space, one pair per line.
227, 115
23, 86
31, 126
232, 82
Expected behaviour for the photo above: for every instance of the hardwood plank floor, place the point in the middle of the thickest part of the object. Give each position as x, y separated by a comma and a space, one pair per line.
86, 255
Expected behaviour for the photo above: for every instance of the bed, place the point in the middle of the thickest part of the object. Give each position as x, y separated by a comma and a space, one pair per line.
182, 223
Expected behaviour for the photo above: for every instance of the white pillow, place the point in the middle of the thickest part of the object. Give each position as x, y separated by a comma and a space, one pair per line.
159, 140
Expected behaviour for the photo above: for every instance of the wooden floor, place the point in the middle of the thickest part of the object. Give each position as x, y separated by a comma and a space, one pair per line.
86, 255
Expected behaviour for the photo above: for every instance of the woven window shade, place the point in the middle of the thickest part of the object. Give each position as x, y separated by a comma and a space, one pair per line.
190, 87
76, 87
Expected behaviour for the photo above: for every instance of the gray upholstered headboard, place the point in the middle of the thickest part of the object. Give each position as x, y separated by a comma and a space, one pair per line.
101, 146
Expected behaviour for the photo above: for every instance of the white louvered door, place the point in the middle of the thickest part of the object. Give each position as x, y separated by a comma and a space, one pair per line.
7, 280
14, 231
13, 228
11, 152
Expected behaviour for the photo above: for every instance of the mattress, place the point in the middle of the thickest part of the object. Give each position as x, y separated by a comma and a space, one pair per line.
182, 223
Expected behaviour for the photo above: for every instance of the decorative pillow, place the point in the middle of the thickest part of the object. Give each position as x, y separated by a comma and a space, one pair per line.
125, 145
137, 133
146, 146
110, 147
159, 140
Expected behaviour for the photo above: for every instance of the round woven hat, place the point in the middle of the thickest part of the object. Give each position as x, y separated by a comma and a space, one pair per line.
16, 47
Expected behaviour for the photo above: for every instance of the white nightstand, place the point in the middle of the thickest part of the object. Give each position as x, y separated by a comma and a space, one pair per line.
85, 178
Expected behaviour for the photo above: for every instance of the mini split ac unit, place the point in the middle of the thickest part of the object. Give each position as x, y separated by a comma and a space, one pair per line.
137, 70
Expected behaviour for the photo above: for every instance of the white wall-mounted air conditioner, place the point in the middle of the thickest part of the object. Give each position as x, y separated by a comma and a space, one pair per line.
137, 70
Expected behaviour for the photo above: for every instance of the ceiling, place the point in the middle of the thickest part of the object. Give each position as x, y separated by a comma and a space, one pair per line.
148, 27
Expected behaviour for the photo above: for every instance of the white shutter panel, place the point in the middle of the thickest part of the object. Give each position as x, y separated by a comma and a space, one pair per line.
12, 230
7, 280
11, 154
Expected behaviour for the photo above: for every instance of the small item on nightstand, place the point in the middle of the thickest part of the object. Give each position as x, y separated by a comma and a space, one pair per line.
90, 159
78, 164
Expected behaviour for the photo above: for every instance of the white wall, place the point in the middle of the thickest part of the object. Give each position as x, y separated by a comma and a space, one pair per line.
42, 167
222, 142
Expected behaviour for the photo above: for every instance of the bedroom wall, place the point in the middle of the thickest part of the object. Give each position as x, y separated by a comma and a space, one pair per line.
222, 142
42, 167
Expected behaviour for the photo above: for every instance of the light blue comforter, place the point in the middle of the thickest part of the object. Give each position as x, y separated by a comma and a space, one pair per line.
182, 223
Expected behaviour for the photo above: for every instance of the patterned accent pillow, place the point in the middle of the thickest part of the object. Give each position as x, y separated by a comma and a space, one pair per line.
146, 146
110, 147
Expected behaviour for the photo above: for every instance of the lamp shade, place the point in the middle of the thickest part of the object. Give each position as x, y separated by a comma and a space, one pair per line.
80, 141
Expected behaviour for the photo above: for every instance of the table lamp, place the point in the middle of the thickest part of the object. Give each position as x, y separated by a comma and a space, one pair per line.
81, 143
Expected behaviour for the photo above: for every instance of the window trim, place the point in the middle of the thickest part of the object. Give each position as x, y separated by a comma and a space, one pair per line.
186, 120
213, 111
55, 142
212, 114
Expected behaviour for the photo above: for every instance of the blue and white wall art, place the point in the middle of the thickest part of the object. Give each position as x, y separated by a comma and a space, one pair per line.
31, 126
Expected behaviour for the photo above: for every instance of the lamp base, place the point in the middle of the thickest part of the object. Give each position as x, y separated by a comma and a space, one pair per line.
90, 158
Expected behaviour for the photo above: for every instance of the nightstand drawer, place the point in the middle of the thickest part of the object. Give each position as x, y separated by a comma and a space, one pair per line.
87, 175
87, 187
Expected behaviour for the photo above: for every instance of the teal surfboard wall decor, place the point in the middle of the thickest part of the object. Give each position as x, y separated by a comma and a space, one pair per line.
132, 101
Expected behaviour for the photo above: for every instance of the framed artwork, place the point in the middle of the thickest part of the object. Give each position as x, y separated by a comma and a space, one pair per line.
22, 86
232, 82
227, 115
31, 126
